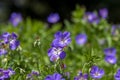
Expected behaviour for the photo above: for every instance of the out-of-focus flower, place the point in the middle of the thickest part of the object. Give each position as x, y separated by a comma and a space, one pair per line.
103, 12
55, 53
96, 72
15, 18
117, 75
81, 39
55, 76
61, 39
32, 75
114, 30
3, 52
53, 18
81, 76
110, 51
91, 17
110, 59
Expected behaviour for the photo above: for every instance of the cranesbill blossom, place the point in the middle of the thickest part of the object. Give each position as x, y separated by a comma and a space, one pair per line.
61, 39
55, 53
110, 51
91, 17
111, 59
81, 39
15, 18
6, 74
117, 75
103, 12
55, 76
96, 72
53, 18
81, 76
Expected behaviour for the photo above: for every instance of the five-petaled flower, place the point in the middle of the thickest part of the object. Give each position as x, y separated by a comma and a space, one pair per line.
55, 53
96, 72
61, 39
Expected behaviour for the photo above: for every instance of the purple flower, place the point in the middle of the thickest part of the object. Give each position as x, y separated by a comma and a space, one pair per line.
3, 52
103, 12
15, 18
53, 18
5, 74
81, 76
96, 72
55, 76
11, 71
61, 39
14, 44
91, 17
8, 41
117, 75
5, 37
56, 53
32, 75
81, 39
110, 59
110, 51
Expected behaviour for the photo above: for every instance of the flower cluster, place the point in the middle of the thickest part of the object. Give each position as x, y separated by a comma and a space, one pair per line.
55, 76
60, 41
110, 55
92, 17
81, 76
32, 75
6, 74
8, 41
15, 19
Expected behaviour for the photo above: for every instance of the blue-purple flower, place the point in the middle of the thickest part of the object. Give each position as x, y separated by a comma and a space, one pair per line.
117, 75
15, 18
61, 39
103, 12
32, 75
111, 59
8, 41
6, 74
55, 76
55, 53
91, 17
81, 76
53, 18
81, 39
96, 72
110, 51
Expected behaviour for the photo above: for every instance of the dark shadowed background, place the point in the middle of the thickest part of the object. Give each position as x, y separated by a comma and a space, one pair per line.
40, 9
